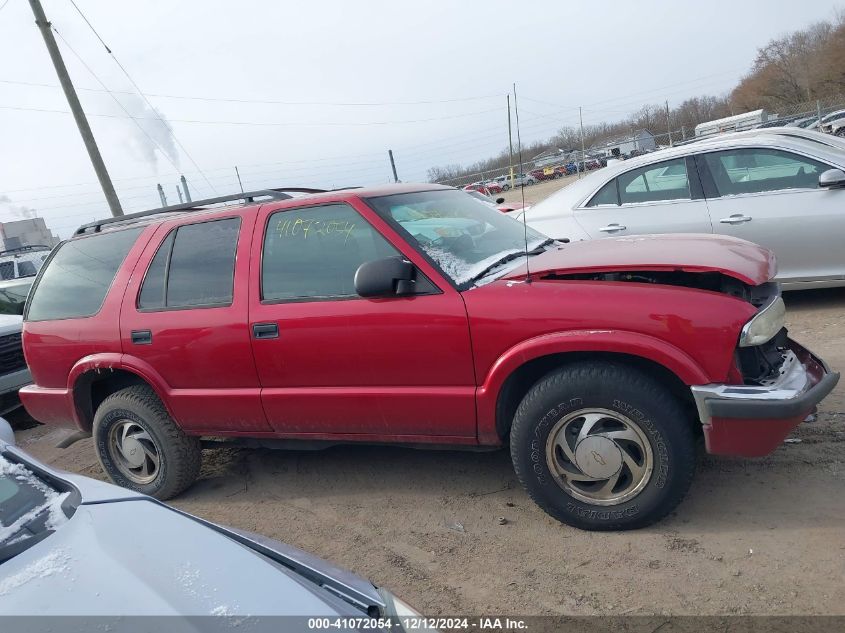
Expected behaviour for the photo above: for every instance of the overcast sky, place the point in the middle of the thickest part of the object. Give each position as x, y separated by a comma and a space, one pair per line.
341, 82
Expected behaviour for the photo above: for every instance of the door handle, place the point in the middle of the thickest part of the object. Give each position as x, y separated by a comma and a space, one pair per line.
610, 228
265, 330
736, 218
142, 337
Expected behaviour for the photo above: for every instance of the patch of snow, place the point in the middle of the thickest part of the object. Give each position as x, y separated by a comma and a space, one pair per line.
221, 610
462, 271
56, 562
52, 504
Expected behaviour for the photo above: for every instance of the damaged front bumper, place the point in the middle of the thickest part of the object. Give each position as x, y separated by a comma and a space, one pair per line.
753, 420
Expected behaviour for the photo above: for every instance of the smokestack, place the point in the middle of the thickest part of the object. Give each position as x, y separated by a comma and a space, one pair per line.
161, 195
185, 189
179, 192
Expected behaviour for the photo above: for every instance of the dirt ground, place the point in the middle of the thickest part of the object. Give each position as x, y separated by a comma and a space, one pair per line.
535, 193
759, 536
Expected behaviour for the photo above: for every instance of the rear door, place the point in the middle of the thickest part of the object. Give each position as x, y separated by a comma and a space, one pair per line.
334, 364
772, 197
184, 318
663, 197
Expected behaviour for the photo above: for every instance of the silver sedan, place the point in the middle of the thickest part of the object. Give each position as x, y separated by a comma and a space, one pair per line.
785, 192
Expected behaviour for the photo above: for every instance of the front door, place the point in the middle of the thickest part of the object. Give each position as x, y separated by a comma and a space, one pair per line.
334, 364
663, 197
772, 197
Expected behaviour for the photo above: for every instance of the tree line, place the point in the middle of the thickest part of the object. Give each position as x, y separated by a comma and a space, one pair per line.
789, 72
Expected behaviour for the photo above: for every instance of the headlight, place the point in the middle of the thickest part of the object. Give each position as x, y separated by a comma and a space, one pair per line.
764, 325
401, 612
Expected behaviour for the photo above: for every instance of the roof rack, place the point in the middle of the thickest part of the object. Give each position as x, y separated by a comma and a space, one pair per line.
24, 249
280, 193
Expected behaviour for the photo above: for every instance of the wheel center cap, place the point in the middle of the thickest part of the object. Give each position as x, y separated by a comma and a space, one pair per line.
133, 452
598, 457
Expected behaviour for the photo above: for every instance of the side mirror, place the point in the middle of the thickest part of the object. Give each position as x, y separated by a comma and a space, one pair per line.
499, 200
832, 179
388, 277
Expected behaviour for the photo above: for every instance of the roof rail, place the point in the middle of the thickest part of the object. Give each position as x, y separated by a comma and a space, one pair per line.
23, 249
280, 193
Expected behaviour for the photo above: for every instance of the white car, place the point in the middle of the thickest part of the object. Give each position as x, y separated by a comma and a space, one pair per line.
778, 190
833, 123
519, 180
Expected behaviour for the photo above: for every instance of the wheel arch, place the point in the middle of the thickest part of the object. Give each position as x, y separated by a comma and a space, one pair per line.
515, 372
94, 378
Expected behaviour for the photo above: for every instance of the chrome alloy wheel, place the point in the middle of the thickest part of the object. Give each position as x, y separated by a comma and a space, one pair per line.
134, 451
599, 456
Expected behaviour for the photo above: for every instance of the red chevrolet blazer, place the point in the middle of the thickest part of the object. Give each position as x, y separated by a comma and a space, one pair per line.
416, 314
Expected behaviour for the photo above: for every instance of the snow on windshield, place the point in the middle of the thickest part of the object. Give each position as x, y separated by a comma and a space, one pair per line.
53, 499
459, 269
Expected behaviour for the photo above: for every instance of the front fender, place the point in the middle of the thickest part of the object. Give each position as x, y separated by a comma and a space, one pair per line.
609, 341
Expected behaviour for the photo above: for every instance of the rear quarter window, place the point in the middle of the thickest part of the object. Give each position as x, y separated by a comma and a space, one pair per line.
78, 276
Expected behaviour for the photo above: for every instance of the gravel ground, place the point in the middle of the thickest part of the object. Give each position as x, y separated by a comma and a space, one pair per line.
758, 536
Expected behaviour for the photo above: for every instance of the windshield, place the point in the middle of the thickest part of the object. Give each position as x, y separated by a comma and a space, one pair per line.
29, 508
464, 236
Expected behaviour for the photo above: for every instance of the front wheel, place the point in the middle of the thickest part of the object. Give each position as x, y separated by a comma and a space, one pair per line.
505, 187
602, 446
140, 446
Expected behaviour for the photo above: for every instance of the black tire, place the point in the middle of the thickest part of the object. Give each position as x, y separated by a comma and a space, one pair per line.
179, 455
619, 390
505, 187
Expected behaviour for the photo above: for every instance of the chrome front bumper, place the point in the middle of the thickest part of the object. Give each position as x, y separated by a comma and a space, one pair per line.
804, 381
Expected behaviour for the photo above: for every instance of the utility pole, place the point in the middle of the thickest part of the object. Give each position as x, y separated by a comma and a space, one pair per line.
819, 109
583, 149
668, 124
179, 193
393, 165
76, 108
185, 189
161, 195
238, 174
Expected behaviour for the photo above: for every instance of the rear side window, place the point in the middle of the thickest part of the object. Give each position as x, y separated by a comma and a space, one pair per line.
655, 183
78, 276
194, 267
606, 195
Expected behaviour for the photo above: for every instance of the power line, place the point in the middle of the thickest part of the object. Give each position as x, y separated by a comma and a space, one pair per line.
259, 123
116, 100
34, 84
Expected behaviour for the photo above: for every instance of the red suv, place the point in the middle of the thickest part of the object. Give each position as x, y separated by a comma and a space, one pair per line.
416, 314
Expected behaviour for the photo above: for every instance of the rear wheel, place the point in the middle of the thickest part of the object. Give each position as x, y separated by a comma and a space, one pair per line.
602, 446
140, 446
505, 187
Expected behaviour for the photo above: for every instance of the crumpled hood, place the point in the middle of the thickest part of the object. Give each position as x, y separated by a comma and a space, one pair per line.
742, 260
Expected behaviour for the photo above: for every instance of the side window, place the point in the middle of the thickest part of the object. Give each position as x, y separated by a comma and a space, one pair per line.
26, 269
314, 252
754, 170
193, 267
7, 270
655, 183
79, 275
606, 195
